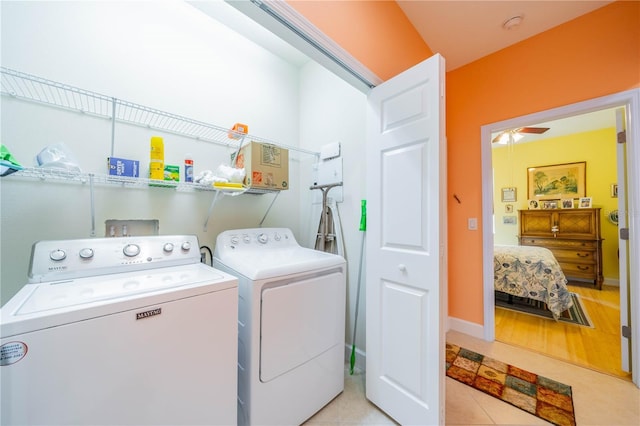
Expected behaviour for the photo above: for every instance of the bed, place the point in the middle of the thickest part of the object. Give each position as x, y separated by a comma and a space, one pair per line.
533, 272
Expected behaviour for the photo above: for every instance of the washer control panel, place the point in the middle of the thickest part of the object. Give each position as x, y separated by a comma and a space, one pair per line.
63, 259
243, 240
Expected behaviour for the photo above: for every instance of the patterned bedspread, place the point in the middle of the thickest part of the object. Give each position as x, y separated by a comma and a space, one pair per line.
531, 272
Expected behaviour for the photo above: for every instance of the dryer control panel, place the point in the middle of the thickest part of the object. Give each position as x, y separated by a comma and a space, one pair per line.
54, 260
254, 239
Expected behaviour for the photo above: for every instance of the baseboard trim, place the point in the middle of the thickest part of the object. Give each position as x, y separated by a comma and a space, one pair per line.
466, 327
615, 282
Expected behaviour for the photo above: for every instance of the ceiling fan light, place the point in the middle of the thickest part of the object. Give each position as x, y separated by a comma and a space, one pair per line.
517, 136
504, 138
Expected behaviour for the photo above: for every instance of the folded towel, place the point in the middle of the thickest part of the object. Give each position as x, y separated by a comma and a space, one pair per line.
8, 163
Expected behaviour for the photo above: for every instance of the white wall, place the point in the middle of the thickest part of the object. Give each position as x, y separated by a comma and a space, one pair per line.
165, 55
172, 57
333, 111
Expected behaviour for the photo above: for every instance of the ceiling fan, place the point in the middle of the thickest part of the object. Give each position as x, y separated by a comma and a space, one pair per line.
517, 134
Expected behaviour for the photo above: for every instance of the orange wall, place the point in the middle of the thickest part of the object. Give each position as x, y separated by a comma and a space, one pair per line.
377, 33
594, 55
591, 56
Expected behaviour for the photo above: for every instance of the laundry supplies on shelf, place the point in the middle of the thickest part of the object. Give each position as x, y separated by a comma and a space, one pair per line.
156, 158
188, 168
123, 167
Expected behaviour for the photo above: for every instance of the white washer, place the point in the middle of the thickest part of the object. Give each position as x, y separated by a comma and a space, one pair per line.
291, 324
120, 331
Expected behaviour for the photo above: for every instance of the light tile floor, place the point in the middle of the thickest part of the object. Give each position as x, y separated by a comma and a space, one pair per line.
599, 399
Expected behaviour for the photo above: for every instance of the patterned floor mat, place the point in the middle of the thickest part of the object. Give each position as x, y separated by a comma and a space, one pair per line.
538, 395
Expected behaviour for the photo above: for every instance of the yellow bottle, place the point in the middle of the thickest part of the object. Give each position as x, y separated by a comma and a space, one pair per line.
156, 164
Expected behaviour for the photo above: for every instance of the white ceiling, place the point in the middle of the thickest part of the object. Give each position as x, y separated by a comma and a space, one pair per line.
596, 120
464, 31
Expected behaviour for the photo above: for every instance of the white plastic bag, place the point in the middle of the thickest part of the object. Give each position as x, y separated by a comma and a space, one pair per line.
57, 156
231, 173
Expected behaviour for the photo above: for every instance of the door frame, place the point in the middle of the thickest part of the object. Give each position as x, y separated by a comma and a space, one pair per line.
631, 101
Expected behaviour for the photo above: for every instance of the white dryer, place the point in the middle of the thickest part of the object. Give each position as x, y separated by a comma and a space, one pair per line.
291, 324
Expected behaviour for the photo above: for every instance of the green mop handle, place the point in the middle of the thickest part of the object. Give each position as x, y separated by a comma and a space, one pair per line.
363, 215
363, 227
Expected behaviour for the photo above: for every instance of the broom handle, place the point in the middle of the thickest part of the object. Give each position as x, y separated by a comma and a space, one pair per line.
355, 322
363, 228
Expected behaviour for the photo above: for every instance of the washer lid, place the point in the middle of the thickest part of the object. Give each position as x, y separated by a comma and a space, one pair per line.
279, 262
64, 294
41, 305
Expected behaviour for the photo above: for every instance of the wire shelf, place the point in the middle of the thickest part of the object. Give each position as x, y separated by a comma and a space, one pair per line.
25, 86
31, 88
36, 89
60, 175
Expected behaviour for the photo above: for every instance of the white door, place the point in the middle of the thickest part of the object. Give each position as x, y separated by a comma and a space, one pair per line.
406, 245
625, 347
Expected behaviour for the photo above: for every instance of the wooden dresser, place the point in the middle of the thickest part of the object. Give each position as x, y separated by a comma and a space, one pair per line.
573, 235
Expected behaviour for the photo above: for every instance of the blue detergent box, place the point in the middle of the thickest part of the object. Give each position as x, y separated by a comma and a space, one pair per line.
123, 167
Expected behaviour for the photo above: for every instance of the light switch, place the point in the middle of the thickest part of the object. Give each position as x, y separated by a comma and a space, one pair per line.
473, 223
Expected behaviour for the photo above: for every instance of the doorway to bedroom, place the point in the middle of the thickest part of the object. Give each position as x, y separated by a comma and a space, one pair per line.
588, 137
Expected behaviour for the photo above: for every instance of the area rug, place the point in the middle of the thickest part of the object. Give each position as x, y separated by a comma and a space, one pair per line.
538, 395
577, 314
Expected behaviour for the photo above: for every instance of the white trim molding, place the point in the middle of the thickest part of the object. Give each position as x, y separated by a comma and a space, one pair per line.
287, 23
466, 327
630, 99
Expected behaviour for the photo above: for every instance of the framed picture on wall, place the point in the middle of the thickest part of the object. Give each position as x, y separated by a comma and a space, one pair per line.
508, 208
509, 195
614, 190
509, 220
557, 180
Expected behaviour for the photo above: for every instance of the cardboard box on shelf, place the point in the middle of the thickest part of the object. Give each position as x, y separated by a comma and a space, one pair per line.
266, 165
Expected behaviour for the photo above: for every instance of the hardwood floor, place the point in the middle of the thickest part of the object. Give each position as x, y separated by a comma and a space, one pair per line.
596, 348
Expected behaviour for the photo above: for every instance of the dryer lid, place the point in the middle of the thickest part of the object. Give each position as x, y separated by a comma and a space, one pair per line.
259, 253
279, 262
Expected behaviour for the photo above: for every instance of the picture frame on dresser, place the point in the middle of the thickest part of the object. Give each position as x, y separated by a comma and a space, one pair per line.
585, 203
567, 203
556, 180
